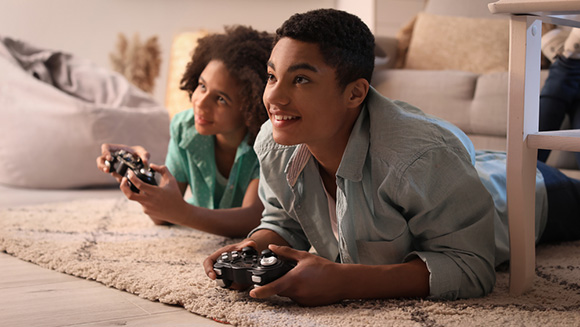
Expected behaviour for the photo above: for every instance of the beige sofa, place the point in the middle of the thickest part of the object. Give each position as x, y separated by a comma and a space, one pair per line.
446, 80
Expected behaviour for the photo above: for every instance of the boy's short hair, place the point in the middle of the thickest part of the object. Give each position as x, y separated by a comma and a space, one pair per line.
245, 52
345, 41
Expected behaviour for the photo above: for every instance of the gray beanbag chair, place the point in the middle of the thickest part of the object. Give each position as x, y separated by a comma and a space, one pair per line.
55, 112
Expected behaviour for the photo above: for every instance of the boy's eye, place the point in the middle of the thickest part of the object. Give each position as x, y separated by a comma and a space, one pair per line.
222, 100
271, 78
300, 80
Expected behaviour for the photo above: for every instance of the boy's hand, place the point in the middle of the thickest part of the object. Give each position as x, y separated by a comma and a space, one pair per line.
163, 203
209, 261
314, 281
106, 155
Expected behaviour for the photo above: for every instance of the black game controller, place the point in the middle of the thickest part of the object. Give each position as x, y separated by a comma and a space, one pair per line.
123, 161
246, 267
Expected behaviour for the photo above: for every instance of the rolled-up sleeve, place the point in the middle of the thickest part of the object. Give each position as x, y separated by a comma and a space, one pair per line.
450, 215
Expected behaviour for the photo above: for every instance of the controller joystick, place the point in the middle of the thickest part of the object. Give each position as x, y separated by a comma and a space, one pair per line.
247, 267
270, 268
123, 161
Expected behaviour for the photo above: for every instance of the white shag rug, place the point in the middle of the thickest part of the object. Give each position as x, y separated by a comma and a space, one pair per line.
113, 242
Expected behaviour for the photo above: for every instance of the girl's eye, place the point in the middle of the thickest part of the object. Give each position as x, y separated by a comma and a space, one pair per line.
271, 78
222, 100
201, 86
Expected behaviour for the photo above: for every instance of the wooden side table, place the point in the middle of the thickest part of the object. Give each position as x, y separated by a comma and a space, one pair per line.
523, 138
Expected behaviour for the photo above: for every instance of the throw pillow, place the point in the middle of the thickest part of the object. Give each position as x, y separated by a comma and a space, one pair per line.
477, 45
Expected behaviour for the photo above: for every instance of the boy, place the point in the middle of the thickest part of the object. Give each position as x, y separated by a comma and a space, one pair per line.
389, 198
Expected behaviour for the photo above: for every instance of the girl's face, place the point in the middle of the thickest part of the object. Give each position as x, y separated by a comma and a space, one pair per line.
217, 104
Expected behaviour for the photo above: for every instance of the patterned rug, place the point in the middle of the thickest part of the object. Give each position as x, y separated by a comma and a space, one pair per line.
113, 242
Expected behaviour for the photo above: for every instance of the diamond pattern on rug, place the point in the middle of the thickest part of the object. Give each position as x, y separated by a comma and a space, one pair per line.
111, 241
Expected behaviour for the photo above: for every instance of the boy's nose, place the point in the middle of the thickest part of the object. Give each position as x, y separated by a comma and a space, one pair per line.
276, 95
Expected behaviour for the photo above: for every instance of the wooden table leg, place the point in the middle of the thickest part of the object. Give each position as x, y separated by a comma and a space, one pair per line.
523, 112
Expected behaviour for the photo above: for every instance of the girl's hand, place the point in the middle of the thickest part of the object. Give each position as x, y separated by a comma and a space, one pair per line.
106, 155
163, 203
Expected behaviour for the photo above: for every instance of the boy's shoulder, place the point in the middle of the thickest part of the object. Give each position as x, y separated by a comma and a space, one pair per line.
398, 128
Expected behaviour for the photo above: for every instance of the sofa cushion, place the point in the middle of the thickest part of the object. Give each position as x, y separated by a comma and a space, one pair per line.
443, 94
476, 45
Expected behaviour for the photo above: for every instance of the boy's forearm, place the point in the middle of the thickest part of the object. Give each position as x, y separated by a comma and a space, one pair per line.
409, 279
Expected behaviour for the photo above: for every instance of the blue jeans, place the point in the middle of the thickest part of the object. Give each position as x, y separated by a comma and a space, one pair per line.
559, 97
563, 206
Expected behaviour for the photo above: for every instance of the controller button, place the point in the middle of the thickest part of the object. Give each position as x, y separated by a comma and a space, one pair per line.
218, 271
146, 172
268, 261
256, 279
221, 282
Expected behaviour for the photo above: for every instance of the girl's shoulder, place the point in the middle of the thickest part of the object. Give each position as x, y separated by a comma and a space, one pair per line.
181, 122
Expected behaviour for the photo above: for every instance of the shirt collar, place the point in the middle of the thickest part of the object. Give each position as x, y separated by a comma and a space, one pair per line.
355, 154
191, 140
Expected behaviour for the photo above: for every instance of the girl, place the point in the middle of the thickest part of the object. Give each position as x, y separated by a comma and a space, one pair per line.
210, 149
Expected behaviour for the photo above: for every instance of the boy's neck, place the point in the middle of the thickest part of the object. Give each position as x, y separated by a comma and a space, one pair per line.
329, 157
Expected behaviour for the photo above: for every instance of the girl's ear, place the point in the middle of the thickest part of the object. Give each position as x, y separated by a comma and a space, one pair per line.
356, 92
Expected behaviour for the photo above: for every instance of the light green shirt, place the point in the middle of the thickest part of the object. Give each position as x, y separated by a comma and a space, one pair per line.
191, 159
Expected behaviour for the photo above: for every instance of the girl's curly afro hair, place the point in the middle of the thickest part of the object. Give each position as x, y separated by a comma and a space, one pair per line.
245, 53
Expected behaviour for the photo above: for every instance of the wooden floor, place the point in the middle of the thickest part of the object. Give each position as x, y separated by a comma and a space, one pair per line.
32, 296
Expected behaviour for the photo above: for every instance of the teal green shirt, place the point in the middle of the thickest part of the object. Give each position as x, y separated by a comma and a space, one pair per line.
191, 159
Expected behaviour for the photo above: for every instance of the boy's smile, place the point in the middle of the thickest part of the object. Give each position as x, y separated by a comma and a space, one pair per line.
304, 101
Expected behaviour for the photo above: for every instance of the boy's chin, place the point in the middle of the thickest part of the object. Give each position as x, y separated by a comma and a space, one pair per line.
283, 140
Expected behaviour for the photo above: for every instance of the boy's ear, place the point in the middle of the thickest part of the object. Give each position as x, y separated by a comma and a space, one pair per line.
356, 92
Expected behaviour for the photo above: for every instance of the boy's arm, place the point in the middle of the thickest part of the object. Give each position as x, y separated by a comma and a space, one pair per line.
450, 215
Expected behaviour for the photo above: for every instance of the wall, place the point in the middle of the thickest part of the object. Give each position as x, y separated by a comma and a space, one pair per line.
89, 28
391, 15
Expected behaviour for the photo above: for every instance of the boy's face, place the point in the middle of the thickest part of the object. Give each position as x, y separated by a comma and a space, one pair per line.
216, 102
302, 96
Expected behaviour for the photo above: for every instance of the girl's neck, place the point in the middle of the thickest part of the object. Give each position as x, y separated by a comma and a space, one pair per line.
231, 141
225, 151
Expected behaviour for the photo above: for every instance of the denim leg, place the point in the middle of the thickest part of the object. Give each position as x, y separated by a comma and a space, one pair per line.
563, 206
575, 124
559, 97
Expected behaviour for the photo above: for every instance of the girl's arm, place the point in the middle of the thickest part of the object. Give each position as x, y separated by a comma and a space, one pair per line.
165, 203
232, 222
